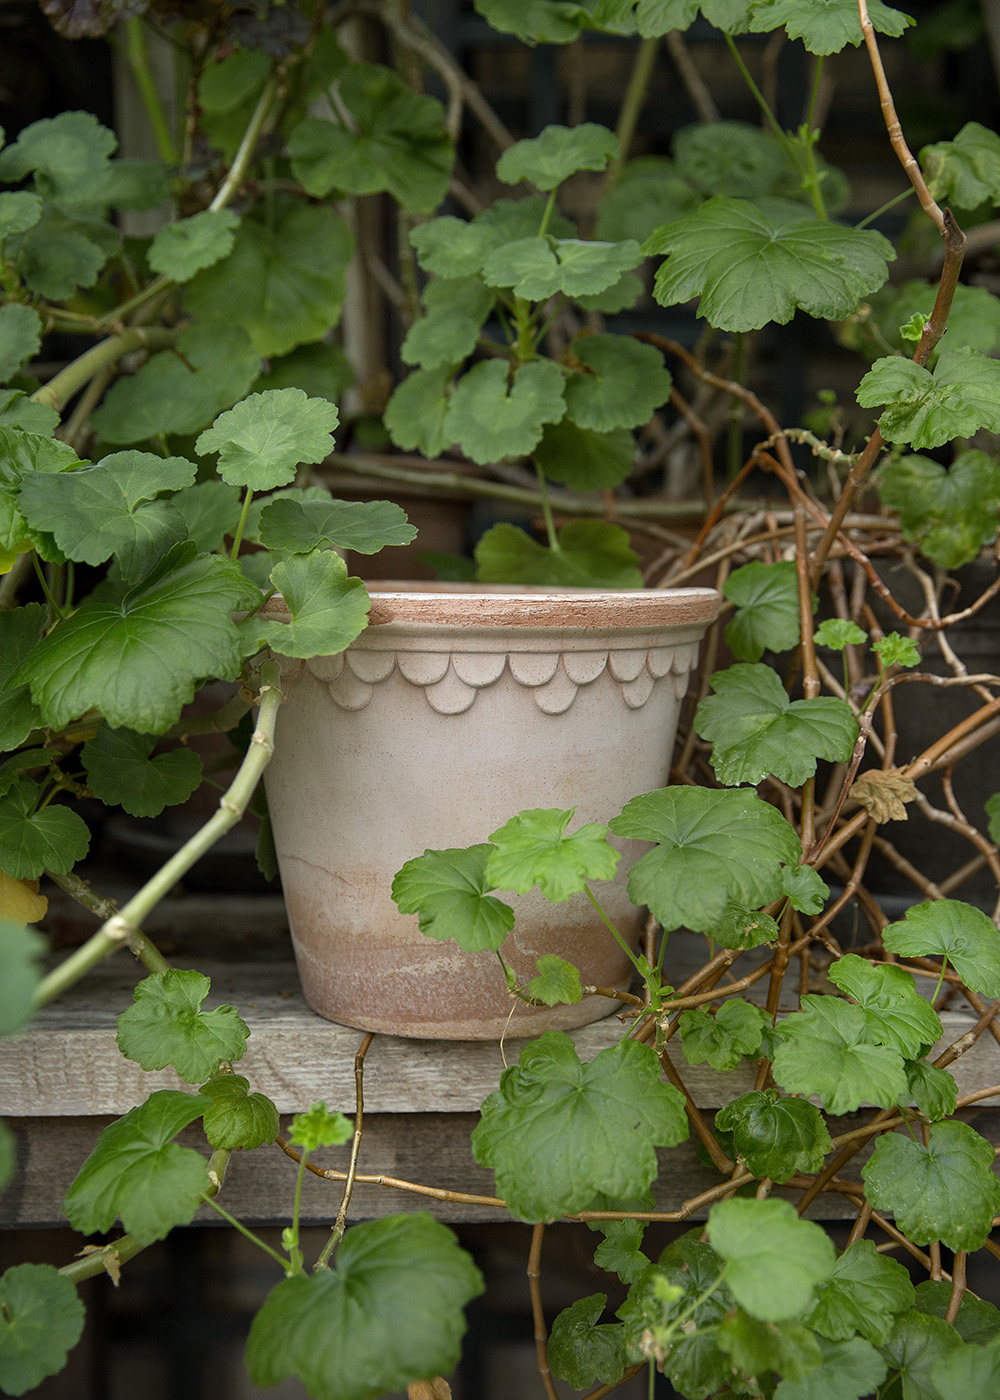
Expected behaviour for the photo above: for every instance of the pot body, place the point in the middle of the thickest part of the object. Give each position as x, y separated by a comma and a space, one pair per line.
450, 713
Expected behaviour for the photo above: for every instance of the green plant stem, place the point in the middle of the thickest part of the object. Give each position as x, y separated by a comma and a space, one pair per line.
54, 610
809, 136
548, 211
546, 504
245, 1231
148, 293
66, 383
608, 924
238, 537
884, 209
139, 944
97, 1261
123, 926
632, 104
255, 129
138, 60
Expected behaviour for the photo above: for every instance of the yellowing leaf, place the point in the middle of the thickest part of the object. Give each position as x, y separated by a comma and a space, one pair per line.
20, 901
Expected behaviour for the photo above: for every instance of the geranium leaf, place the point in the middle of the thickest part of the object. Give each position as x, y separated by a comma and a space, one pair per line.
533, 849
235, 1119
756, 1347
136, 1171
111, 509
865, 1294
537, 268
649, 192
582, 1351
774, 1260
19, 211
968, 1370
21, 629
711, 845
20, 337
362, 1327
730, 158
825, 26
620, 1252
137, 653
65, 153
265, 438
806, 889
31, 841
182, 389
933, 1090
493, 415
122, 771
454, 248
723, 1039
977, 1321
950, 512
582, 459
775, 1137
322, 370
945, 1191
364, 526
965, 171
320, 1126
557, 982
916, 1344
535, 21
327, 608
767, 609
448, 891
62, 252
825, 1049
21, 454
442, 337
187, 246
211, 510
41, 1319
837, 633
165, 1025
591, 554
557, 1130
755, 263
399, 142
757, 730
18, 411
620, 296
560, 151
744, 928
849, 1370
283, 283
622, 384
897, 1014
20, 951
957, 931
927, 409
416, 414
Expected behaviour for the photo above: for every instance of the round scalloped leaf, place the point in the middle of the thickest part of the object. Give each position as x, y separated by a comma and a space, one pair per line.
538, 267
775, 1137
319, 1126
582, 1351
123, 771
621, 385
767, 609
826, 26
950, 511
66, 153
33, 841
449, 892
826, 1049
19, 211
965, 171
327, 608
591, 554
583, 459
187, 246
364, 526
957, 931
560, 151
897, 1014
263, 440
235, 1119
451, 247
533, 849
20, 337
722, 1040
865, 1293
417, 413
774, 1261
928, 409
165, 1025
41, 1319
493, 414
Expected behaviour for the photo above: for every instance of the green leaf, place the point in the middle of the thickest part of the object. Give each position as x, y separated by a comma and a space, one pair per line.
774, 1261
744, 928
447, 890
121, 771
591, 554
825, 1049
978, 1321
387, 1313
493, 415
533, 849
896, 650
62, 252
364, 526
535, 21
969, 1370
398, 142
712, 845
66, 153
759, 1348
18, 411
20, 951
182, 389
136, 653
557, 982
757, 730
210, 510
41, 1319
897, 1015
19, 211
235, 1119
767, 609
917, 1343
582, 1351
416, 414
649, 193
965, 171
807, 891
265, 438
557, 1131
538, 267
620, 296
320, 1126
927, 409
187, 246
328, 609
620, 1252
138, 1173
20, 337
730, 158
622, 384
957, 931
283, 283
20, 630
775, 1137
945, 1191
322, 370
950, 512
755, 263
723, 1039
454, 248
933, 1090
444, 337
111, 509
837, 633
849, 1370
560, 151
165, 1025
582, 459
53, 838
864, 1294
825, 26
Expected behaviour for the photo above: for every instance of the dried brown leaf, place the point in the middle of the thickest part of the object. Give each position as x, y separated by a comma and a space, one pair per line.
883, 795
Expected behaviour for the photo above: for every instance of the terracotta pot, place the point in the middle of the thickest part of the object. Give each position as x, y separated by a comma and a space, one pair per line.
458, 706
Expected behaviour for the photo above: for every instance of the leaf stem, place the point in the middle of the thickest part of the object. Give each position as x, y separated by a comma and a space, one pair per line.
65, 384
245, 1231
546, 504
238, 536
605, 920
548, 211
241, 161
636, 92
138, 60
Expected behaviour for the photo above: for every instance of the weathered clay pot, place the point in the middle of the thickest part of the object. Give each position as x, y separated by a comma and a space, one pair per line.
451, 712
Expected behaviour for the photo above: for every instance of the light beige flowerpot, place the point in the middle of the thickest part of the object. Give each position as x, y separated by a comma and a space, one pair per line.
453, 710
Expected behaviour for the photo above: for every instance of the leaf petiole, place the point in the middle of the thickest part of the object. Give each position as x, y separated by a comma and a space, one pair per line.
238, 536
245, 1231
607, 922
